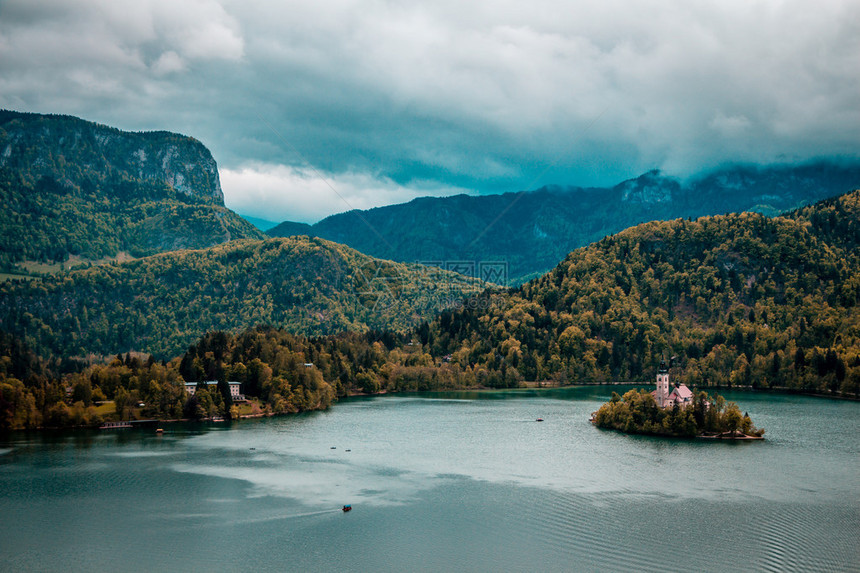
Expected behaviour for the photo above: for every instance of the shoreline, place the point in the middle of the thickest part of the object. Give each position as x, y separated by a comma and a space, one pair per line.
641, 384
735, 437
530, 386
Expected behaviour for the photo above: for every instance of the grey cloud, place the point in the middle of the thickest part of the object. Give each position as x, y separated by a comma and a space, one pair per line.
484, 95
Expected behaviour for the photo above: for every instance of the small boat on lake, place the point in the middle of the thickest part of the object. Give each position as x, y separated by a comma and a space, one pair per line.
346, 508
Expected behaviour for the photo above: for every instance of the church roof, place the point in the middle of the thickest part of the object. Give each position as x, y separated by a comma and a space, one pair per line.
683, 392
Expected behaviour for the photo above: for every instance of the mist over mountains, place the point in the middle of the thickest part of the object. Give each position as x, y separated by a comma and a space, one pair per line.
74, 188
531, 231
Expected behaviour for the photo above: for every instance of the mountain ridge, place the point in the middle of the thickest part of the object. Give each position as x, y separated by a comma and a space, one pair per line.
161, 303
742, 299
157, 156
77, 188
532, 230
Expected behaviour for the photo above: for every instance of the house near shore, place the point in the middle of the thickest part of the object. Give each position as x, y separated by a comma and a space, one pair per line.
235, 388
666, 395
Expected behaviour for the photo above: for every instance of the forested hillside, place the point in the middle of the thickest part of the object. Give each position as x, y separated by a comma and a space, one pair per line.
742, 299
532, 231
70, 187
280, 372
836, 221
161, 303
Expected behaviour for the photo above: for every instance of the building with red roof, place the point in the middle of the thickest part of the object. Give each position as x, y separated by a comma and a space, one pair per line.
666, 395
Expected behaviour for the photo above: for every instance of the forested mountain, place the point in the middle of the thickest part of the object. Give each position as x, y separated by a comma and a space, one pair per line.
159, 304
532, 231
836, 221
72, 187
742, 299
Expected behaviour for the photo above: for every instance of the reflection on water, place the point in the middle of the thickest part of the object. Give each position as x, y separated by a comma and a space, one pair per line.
465, 481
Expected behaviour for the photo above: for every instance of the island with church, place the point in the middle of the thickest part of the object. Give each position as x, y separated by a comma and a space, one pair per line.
676, 411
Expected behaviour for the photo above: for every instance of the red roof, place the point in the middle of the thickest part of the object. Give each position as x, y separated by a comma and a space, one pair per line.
682, 392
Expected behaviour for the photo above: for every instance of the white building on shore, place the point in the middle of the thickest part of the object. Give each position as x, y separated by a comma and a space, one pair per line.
235, 388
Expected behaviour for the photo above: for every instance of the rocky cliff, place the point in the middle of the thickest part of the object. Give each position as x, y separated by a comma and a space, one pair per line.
74, 152
72, 188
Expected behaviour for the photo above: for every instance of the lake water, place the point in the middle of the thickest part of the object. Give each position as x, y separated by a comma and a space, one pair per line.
441, 482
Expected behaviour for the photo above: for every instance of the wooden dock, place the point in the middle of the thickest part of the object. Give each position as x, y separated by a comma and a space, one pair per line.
115, 426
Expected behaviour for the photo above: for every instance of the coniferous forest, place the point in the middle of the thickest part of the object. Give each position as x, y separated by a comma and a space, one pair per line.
744, 300
162, 303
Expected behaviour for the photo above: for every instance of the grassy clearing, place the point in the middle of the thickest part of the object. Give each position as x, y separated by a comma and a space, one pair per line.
249, 408
41, 267
106, 409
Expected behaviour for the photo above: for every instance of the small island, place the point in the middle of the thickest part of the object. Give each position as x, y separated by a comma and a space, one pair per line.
677, 413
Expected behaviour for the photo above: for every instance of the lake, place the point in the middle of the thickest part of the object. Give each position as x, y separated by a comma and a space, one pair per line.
459, 481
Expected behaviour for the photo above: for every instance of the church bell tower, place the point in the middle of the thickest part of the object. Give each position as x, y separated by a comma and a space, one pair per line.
662, 393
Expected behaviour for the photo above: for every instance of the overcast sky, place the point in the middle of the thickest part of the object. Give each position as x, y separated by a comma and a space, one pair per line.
313, 107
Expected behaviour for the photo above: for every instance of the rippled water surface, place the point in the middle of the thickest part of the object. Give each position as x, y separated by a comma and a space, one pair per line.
442, 482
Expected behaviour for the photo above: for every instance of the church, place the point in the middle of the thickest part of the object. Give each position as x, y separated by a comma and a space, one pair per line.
680, 394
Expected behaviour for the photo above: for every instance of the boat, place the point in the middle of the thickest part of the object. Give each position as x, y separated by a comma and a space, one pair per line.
539, 420
159, 431
346, 508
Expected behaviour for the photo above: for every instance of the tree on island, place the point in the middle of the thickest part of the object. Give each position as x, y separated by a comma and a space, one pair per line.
636, 412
